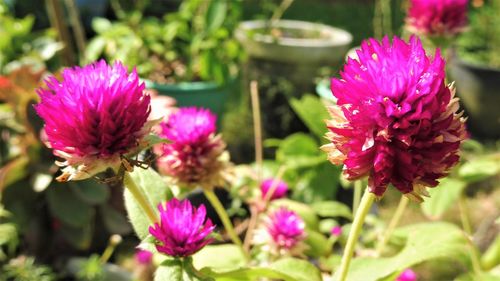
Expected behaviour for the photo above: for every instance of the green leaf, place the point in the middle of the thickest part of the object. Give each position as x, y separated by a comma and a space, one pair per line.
479, 169
442, 197
299, 150
318, 244
176, 270
491, 257
156, 191
67, 206
216, 14
303, 210
115, 221
233, 257
101, 25
312, 112
90, 191
8, 233
247, 274
301, 270
332, 209
425, 241
320, 183
80, 237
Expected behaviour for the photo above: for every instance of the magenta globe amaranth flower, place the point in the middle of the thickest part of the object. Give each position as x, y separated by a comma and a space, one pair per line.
279, 191
94, 115
407, 275
336, 231
195, 154
437, 17
286, 230
143, 256
396, 120
183, 229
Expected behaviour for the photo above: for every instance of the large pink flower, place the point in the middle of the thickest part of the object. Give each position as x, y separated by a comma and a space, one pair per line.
92, 116
183, 229
437, 17
396, 120
195, 155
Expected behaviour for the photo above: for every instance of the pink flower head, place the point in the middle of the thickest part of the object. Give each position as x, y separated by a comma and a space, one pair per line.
194, 155
407, 275
279, 192
143, 256
92, 116
285, 228
336, 231
396, 120
182, 230
437, 17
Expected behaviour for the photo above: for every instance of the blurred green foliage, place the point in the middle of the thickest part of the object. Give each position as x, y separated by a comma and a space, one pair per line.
480, 44
194, 43
20, 45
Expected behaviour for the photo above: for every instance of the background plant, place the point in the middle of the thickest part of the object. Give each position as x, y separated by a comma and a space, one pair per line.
194, 43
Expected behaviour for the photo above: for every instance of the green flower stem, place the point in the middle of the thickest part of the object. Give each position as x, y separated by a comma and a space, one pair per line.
140, 197
214, 200
464, 216
358, 187
114, 240
357, 224
393, 223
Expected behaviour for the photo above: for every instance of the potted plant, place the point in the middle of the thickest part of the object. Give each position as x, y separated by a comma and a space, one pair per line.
286, 56
476, 70
189, 54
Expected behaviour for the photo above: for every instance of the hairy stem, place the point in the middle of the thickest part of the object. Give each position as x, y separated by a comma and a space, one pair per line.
357, 225
393, 223
140, 197
221, 212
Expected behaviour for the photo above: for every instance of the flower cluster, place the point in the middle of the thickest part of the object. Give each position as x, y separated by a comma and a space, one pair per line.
437, 17
195, 155
93, 116
283, 233
183, 229
396, 120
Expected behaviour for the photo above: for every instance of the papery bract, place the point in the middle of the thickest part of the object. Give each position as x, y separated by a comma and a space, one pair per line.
396, 120
93, 116
279, 192
437, 17
182, 230
195, 155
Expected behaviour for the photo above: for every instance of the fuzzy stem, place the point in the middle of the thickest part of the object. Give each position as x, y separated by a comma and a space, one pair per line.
393, 223
140, 197
358, 186
221, 212
114, 240
464, 217
357, 225
257, 125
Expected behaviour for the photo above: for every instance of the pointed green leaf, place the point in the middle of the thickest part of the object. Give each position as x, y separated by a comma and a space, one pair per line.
443, 197
301, 270
312, 112
425, 242
156, 191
